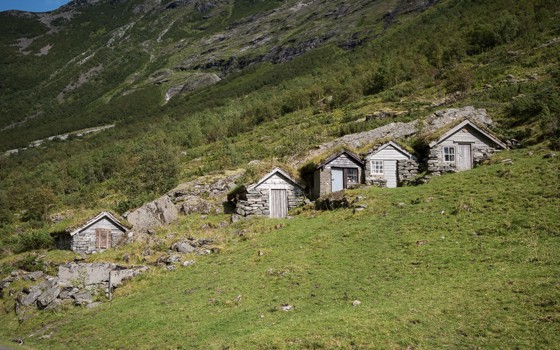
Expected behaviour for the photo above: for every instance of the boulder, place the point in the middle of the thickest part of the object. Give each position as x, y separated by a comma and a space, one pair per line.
82, 298
33, 276
182, 247
194, 204
160, 212
55, 304
48, 296
86, 274
30, 298
120, 275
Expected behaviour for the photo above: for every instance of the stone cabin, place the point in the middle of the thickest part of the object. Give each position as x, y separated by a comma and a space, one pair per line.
390, 165
272, 196
102, 232
461, 148
340, 171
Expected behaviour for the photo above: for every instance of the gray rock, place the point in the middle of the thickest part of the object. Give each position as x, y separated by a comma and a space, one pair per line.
31, 297
286, 307
235, 218
48, 296
55, 304
33, 276
189, 263
121, 275
6, 282
172, 259
154, 214
65, 294
86, 274
356, 303
82, 298
182, 247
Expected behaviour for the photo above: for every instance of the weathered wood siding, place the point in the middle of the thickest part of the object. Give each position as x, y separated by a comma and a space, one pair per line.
259, 198
84, 241
481, 149
389, 155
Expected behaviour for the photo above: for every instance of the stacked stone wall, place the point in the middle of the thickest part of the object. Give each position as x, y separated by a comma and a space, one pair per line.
257, 202
407, 171
437, 166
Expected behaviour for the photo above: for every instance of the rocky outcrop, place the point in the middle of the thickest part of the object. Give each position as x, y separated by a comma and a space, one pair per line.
194, 82
160, 212
445, 117
76, 283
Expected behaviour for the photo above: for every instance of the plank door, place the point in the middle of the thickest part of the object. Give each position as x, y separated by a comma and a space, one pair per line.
390, 171
278, 203
103, 238
337, 180
464, 157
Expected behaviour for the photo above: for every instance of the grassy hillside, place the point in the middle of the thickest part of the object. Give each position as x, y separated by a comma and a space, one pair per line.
466, 261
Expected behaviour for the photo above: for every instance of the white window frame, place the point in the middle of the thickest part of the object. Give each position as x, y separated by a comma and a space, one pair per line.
449, 157
377, 169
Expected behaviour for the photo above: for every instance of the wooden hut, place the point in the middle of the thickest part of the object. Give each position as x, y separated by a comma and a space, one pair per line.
461, 148
340, 171
273, 195
94, 235
382, 165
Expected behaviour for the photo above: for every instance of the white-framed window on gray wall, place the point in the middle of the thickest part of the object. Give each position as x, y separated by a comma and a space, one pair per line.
377, 167
449, 154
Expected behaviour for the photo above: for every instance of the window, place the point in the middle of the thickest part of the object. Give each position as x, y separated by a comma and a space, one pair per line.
449, 154
102, 238
377, 167
352, 175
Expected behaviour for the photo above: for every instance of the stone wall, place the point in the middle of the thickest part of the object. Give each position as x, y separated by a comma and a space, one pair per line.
407, 170
437, 166
257, 202
374, 179
322, 182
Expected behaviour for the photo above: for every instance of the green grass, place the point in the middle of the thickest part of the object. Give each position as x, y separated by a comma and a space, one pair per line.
466, 261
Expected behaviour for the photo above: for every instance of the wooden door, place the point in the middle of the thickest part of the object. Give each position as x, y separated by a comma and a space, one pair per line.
464, 157
103, 238
278, 203
390, 172
337, 180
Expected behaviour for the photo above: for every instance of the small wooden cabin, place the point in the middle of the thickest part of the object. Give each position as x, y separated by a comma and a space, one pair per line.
273, 195
461, 148
340, 171
95, 235
382, 165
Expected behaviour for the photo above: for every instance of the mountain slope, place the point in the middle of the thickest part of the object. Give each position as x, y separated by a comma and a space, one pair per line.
466, 261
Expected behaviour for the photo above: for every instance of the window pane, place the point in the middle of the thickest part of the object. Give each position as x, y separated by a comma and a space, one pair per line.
352, 175
377, 167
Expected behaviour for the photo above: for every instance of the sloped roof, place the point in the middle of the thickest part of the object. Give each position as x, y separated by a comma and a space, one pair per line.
351, 155
461, 125
272, 173
396, 146
103, 214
